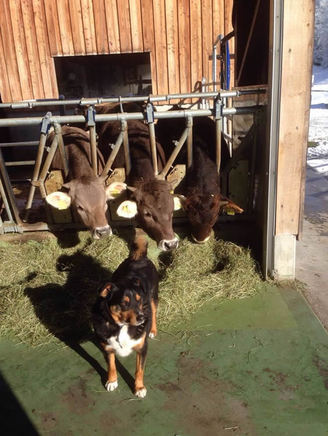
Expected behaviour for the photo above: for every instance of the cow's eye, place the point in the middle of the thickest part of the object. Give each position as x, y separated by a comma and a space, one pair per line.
147, 214
79, 207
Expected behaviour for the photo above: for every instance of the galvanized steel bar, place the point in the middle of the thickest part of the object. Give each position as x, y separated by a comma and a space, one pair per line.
33, 121
93, 140
175, 153
5, 201
9, 189
127, 157
153, 147
149, 115
189, 141
45, 125
19, 163
153, 99
61, 148
46, 165
19, 144
113, 154
218, 130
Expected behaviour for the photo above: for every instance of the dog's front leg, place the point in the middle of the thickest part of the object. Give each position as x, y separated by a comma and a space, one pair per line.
111, 383
153, 328
139, 388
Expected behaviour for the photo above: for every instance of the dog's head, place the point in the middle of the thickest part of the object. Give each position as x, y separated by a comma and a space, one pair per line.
125, 306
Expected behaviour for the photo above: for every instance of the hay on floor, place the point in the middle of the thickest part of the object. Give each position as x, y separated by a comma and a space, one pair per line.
47, 292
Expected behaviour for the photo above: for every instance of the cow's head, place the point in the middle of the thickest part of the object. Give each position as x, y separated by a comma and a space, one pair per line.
152, 204
202, 211
88, 197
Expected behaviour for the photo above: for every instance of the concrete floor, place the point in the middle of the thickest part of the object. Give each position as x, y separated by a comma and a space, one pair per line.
312, 249
252, 367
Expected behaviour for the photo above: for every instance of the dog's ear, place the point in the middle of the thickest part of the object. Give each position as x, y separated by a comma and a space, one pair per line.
105, 290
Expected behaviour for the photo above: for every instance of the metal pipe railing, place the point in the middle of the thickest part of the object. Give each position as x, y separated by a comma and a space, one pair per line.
153, 99
183, 113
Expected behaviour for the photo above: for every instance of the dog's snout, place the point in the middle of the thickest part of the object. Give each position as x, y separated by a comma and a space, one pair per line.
99, 232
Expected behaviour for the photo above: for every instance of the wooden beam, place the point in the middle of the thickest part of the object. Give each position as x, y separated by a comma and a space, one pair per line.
294, 112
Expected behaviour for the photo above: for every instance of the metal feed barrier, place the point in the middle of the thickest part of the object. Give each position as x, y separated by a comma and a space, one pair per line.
14, 222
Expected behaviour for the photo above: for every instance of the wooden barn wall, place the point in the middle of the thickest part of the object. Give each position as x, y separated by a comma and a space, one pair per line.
179, 35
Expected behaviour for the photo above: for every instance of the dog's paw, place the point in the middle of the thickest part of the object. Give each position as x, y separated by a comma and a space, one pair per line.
152, 335
111, 386
141, 393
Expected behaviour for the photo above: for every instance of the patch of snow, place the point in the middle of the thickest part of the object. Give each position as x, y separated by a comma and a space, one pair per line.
317, 157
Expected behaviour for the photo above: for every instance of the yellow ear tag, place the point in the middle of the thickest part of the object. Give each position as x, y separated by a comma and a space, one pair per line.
59, 200
127, 209
116, 188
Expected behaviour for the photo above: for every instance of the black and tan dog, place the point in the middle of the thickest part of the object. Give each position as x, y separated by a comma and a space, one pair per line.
125, 313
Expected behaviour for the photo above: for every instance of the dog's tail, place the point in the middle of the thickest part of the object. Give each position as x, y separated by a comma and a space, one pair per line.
139, 246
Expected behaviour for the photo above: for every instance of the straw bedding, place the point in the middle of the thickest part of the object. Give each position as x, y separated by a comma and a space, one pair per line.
46, 291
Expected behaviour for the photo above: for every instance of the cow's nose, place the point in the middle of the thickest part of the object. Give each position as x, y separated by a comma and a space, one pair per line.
99, 232
167, 245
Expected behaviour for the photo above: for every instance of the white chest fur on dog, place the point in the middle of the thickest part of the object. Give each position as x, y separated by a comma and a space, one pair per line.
122, 343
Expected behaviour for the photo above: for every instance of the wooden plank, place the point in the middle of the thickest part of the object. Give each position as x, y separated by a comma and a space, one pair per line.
217, 18
5, 92
207, 39
32, 49
172, 40
136, 26
196, 43
52, 19
100, 26
218, 29
149, 38
184, 45
294, 113
112, 26
47, 64
75, 13
160, 46
88, 27
227, 29
20, 49
124, 26
9, 51
65, 27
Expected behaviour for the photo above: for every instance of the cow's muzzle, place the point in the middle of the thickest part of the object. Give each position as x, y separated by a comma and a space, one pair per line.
99, 232
167, 245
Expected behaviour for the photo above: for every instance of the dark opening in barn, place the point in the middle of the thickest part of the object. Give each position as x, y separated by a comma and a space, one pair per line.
104, 75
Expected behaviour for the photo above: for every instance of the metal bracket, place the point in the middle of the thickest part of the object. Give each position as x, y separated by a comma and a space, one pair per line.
45, 124
149, 112
218, 108
91, 113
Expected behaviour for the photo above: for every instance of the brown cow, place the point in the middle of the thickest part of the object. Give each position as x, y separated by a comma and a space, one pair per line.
202, 200
153, 198
86, 191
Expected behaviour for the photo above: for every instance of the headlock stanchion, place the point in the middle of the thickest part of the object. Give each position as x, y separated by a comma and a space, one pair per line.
45, 126
149, 115
91, 123
40, 172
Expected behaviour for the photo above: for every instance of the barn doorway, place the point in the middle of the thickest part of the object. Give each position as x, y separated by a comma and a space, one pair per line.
103, 75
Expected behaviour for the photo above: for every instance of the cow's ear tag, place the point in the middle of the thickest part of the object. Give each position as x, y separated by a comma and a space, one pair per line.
115, 189
59, 200
177, 203
127, 209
